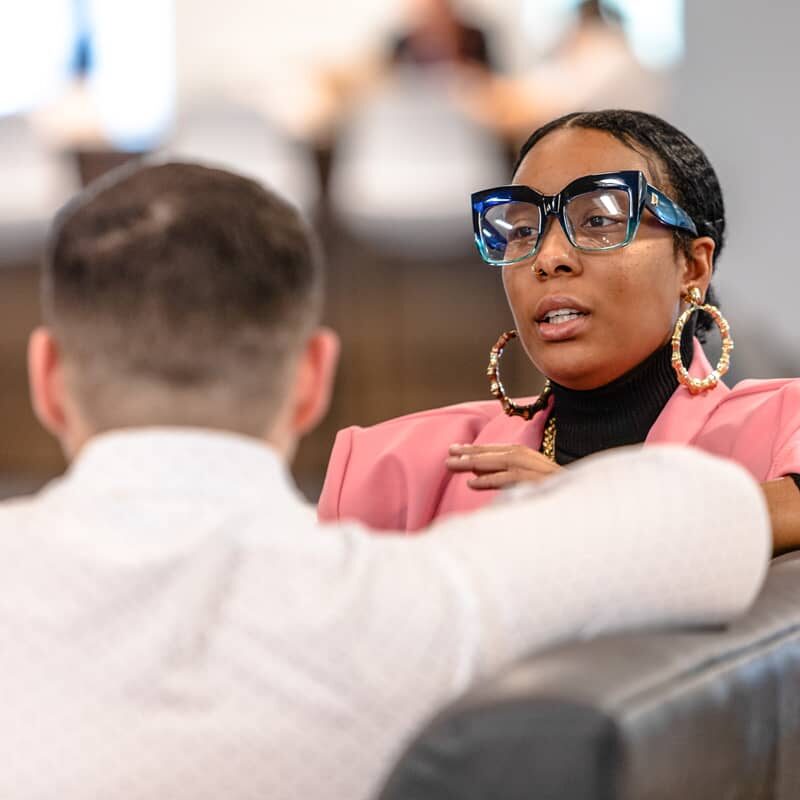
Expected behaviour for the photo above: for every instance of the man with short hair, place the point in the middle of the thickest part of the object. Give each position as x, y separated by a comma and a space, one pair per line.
173, 621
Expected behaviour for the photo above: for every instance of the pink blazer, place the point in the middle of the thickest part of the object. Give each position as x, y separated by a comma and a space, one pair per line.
391, 476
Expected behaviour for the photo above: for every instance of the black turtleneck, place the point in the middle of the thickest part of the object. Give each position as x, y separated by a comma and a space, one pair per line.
619, 413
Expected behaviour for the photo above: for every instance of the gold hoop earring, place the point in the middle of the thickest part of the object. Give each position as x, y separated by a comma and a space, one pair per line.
698, 385
496, 385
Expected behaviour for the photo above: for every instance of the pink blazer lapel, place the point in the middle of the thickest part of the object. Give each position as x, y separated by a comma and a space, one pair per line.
685, 414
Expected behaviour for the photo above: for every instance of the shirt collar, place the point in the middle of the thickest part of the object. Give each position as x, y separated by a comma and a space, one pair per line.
180, 459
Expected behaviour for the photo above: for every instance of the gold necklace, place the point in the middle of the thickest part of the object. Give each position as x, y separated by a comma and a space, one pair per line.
549, 439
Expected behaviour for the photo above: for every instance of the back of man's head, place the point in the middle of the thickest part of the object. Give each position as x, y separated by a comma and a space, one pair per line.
180, 294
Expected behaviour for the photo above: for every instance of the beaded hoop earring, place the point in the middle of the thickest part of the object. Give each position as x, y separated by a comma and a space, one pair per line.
496, 385
698, 385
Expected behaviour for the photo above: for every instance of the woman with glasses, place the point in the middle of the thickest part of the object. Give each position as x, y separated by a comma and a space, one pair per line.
606, 244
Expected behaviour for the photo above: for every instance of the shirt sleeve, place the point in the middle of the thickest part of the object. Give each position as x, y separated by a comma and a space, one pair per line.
656, 537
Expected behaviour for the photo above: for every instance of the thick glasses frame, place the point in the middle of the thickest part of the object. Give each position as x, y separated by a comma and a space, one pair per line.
640, 193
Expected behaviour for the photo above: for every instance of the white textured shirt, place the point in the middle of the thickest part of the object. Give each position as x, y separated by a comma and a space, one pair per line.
174, 623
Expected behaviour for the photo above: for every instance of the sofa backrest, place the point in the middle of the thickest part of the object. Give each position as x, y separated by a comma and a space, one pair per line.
643, 716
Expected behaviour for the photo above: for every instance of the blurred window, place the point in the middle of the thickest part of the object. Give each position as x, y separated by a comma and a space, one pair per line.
124, 50
654, 30
36, 51
132, 72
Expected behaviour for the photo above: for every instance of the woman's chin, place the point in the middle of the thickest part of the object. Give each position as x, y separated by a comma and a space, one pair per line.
580, 383
577, 370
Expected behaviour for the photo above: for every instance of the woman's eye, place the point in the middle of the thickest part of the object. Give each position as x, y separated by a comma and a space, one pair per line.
598, 221
522, 232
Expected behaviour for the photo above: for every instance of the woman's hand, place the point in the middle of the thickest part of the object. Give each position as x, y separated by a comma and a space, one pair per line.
496, 466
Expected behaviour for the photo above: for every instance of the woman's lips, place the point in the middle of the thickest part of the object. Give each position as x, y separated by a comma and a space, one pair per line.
559, 317
559, 331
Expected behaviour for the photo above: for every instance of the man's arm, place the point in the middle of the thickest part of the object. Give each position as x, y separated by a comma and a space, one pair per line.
659, 536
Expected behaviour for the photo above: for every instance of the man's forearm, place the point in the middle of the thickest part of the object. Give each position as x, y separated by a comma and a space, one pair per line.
622, 540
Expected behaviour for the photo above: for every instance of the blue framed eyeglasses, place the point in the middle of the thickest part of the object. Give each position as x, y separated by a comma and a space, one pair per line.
596, 212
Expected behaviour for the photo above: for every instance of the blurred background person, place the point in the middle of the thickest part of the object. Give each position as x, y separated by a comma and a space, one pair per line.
434, 38
591, 67
438, 35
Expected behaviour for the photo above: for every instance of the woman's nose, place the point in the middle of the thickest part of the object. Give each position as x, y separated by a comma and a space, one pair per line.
556, 255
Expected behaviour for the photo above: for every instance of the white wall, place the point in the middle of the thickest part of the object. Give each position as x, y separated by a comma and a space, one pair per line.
738, 97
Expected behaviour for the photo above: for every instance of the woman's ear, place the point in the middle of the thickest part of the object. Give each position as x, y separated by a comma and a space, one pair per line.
699, 266
46, 381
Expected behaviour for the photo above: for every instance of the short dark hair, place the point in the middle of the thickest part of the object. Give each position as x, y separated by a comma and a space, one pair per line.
674, 158
178, 294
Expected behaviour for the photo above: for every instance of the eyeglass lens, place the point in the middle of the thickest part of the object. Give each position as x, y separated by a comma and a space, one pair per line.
596, 220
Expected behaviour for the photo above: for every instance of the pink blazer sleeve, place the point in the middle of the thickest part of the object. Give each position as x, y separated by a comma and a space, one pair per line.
391, 476
758, 425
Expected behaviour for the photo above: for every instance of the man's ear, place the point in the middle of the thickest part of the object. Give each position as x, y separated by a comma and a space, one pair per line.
699, 265
46, 381
314, 377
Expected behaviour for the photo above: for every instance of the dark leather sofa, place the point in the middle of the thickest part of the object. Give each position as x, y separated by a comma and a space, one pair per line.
708, 714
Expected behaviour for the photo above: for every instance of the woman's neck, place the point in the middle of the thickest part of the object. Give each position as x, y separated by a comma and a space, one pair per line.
619, 413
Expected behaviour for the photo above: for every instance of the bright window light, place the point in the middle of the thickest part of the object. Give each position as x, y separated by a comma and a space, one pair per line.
654, 29
131, 62
36, 48
132, 80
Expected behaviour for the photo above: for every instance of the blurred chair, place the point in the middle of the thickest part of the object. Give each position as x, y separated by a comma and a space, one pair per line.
36, 182
218, 132
404, 167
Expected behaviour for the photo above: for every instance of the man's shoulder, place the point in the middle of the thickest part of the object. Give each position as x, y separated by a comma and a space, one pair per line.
21, 507
750, 395
426, 432
392, 475
479, 412
476, 409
